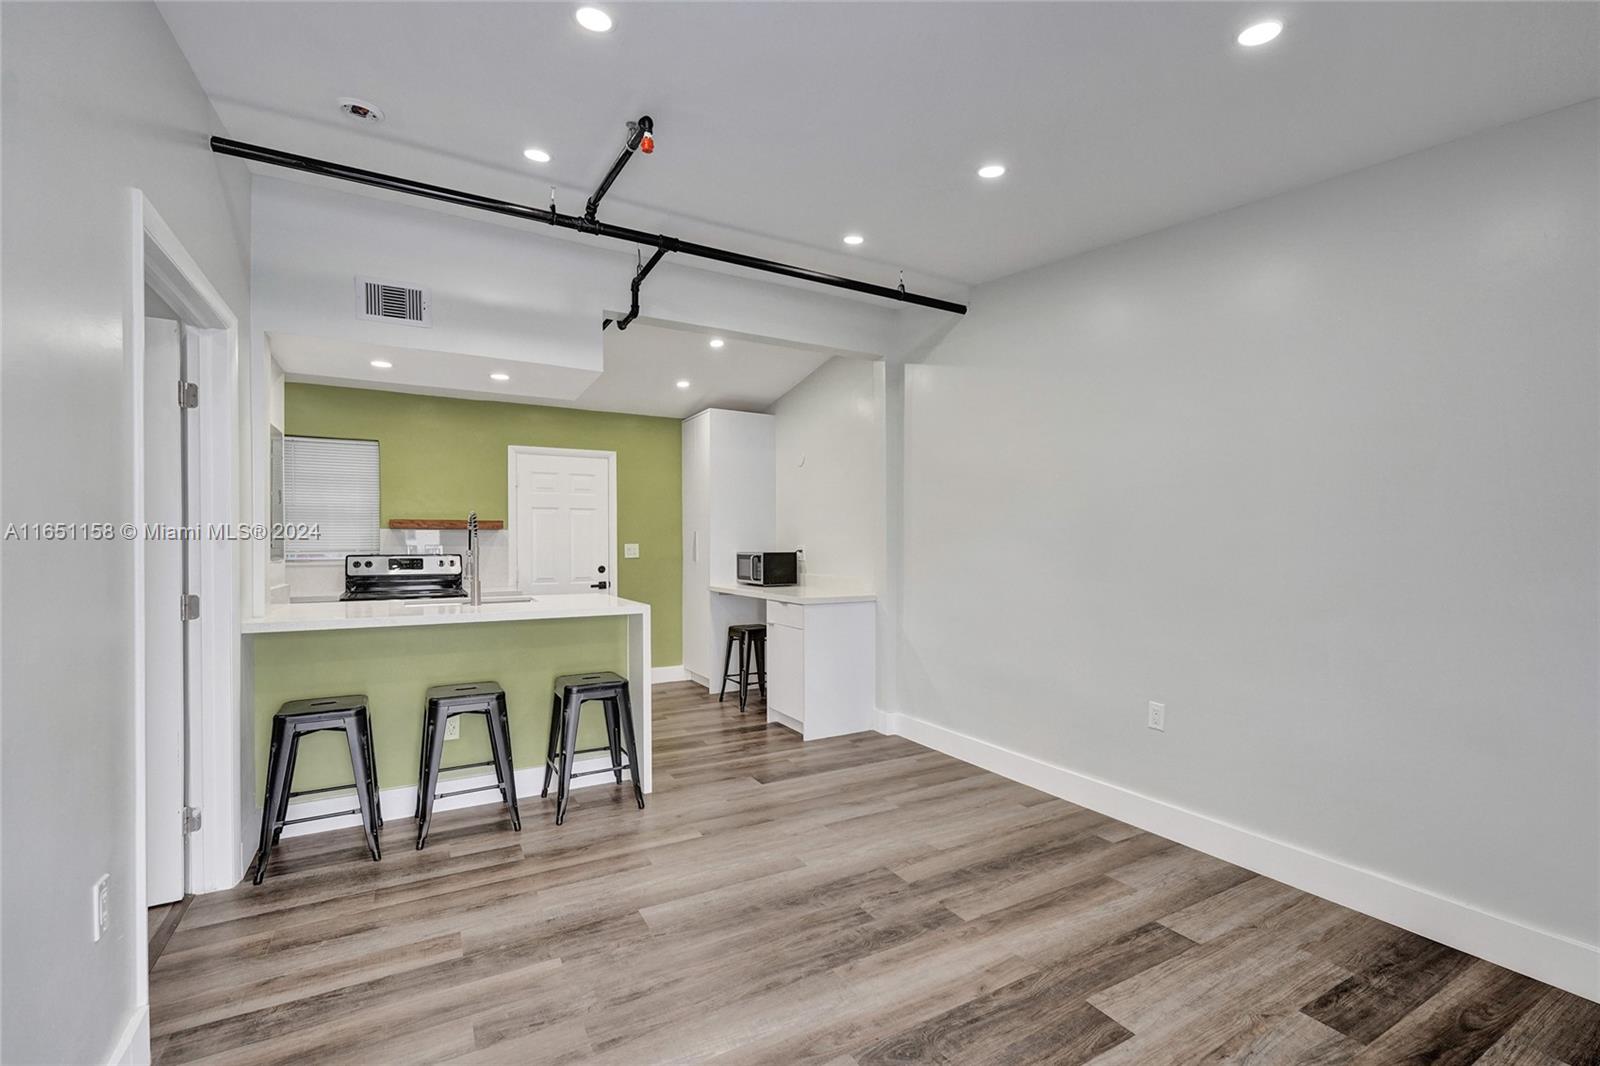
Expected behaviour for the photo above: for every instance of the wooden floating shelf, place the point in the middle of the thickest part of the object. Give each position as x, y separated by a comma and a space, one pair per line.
442, 523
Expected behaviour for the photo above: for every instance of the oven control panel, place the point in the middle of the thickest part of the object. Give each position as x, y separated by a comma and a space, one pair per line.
418, 565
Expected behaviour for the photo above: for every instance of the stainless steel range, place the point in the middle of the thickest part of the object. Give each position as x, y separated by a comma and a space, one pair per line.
403, 577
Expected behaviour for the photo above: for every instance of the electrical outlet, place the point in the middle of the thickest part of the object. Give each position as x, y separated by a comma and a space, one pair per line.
452, 728
630, 551
1158, 716
102, 906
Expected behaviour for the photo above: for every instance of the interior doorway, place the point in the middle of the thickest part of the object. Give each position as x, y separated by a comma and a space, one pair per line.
562, 520
184, 469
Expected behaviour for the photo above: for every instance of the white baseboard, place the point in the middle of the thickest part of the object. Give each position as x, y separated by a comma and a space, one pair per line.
1550, 957
401, 802
690, 675
660, 675
133, 1043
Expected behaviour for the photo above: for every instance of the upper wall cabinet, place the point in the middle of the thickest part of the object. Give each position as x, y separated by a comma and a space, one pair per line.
729, 506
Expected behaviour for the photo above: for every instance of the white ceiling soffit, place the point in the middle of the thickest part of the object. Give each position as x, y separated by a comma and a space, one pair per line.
781, 127
344, 362
644, 365
642, 369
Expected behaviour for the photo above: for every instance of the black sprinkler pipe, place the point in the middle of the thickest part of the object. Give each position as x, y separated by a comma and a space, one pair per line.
341, 172
638, 279
636, 133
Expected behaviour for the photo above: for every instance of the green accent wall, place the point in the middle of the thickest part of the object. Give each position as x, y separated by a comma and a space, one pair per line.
440, 458
394, 668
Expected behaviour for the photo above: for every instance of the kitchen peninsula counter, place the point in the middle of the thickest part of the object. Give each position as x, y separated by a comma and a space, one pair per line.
394, 650
381, 614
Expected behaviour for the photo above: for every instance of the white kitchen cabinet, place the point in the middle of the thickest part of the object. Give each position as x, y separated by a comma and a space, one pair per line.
821, 665
786, 664
729, 506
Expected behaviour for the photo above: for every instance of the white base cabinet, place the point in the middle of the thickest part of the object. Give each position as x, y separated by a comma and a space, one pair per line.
786, 666
821, 667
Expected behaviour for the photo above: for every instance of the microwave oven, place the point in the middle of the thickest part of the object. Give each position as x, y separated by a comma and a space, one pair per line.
769, 568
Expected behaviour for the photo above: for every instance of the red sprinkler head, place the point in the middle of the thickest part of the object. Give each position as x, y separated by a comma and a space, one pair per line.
642, 134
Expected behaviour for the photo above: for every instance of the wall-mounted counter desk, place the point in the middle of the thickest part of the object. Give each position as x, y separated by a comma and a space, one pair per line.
394, 650
821, 656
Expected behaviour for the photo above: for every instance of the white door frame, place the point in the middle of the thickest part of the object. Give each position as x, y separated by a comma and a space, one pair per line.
515, 450
158, 259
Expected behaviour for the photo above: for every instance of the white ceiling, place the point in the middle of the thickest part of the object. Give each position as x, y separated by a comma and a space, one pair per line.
642, 369
783, 126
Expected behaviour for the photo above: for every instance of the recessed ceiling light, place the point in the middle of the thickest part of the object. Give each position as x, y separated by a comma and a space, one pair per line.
536, 155
717, 342
1260, 33
593, 19
683, 384
853, 238
362, 110
382, 364
499, 377
991, 170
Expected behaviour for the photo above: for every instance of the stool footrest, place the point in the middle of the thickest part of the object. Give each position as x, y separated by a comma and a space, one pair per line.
466, 791
319, 817
466, 766
555, 760
319, 791
603, 770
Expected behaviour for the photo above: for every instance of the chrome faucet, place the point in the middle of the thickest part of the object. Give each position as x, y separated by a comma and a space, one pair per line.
474, 578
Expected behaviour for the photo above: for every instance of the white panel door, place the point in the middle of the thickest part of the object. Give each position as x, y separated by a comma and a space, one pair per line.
562, 523
163, 627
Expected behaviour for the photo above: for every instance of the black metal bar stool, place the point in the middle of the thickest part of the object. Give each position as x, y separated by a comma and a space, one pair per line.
444, 703
752, 640
572, 691
294, 720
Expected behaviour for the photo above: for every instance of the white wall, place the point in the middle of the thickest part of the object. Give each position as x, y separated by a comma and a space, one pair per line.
97, 99
1319, 473
830, 470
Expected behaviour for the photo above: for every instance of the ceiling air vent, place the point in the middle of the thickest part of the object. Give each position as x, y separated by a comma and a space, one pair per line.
397, 303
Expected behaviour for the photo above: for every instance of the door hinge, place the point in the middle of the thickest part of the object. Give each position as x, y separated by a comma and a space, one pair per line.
191, 819
188, 607
188, 394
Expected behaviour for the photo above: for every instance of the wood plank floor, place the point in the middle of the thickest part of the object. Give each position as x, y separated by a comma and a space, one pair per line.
858, 900
162, 921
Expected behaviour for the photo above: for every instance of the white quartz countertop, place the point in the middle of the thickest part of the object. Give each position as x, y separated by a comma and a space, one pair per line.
385, 614
807, 592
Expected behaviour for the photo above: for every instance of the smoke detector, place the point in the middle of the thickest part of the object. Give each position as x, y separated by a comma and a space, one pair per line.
360, 109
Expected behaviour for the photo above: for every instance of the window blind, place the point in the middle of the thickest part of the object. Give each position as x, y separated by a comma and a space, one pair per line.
333, 485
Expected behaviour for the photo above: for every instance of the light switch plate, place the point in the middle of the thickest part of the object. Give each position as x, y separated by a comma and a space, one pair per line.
630, 551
